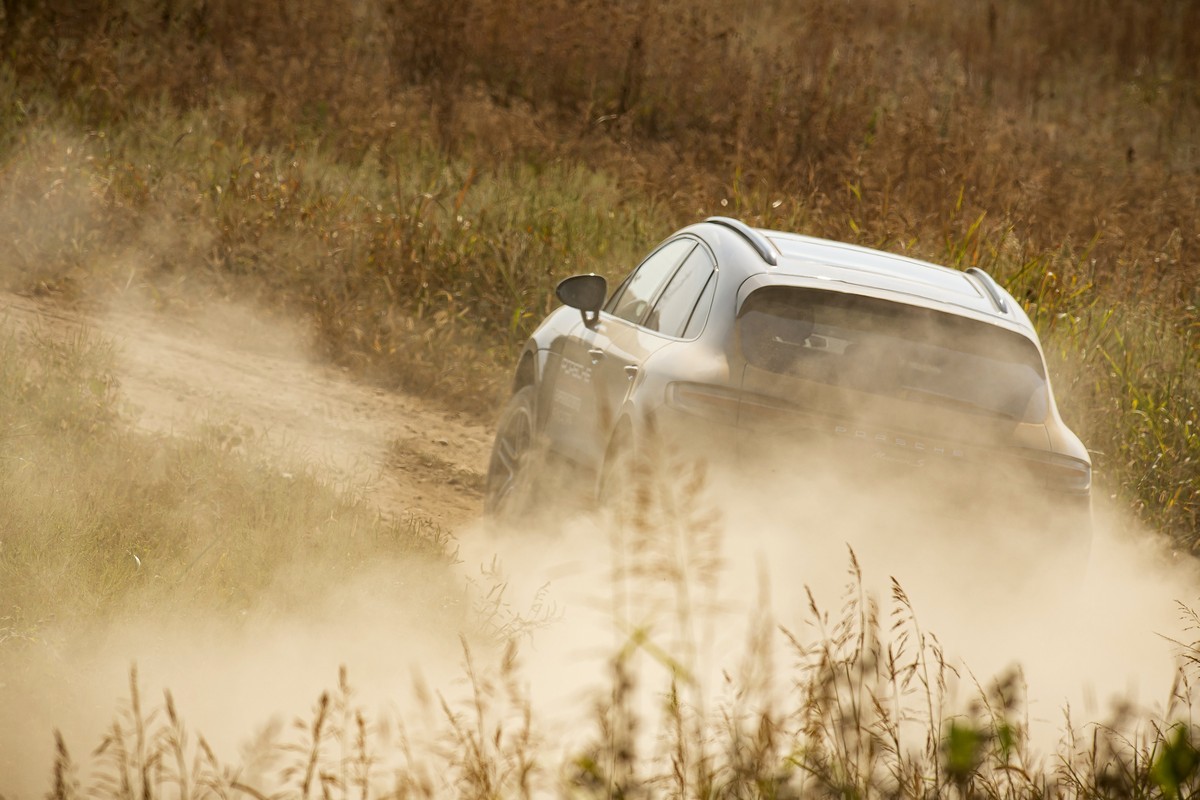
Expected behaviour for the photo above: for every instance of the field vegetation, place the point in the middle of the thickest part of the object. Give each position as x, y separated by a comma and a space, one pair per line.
412, 177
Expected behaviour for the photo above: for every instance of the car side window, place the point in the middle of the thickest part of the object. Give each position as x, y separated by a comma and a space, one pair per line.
633, 301
703, 307
674, 307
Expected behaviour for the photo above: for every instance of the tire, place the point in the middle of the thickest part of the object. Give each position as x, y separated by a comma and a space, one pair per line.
513, 470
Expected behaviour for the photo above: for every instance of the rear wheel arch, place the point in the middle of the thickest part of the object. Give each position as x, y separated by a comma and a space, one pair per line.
526, 372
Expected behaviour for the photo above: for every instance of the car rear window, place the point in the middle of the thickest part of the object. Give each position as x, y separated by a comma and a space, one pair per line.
895, 350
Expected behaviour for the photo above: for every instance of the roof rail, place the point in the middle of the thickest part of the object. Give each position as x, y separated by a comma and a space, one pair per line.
991, 287
756, 239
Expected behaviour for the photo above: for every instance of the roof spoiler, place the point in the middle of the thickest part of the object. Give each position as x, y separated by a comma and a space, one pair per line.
756, 239
994, 292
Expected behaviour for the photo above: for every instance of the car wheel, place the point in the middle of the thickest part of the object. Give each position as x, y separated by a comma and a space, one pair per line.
512, 470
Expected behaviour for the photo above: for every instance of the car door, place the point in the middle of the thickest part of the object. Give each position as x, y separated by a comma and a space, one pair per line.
637, 328
616, 346
567, 392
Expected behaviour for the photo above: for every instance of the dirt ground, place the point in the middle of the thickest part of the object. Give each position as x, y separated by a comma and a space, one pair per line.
249, 379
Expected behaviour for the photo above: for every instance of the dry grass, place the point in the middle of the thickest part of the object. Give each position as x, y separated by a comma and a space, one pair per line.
413, 177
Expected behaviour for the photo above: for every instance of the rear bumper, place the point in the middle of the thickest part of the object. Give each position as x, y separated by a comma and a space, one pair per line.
979, 491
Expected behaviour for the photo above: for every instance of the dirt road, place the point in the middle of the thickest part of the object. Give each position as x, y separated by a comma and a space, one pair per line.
246, 378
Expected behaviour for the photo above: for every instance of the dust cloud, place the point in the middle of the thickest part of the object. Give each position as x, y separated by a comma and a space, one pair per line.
1090, 628
233, 681
1085, 641
737, 547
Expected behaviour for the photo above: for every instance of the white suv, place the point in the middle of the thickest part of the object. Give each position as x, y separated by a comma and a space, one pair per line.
754, 338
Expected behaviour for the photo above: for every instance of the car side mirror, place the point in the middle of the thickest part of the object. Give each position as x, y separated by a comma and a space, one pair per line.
585, 292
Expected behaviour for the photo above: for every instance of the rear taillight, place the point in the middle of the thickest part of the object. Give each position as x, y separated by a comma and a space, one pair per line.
1058, 473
